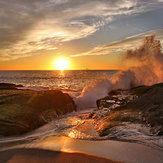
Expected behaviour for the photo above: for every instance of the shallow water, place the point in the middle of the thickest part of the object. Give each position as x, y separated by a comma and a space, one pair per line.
77, 126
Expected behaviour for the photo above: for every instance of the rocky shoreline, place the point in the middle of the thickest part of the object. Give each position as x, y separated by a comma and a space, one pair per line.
130, 115
25, 110
139, 105
116, 114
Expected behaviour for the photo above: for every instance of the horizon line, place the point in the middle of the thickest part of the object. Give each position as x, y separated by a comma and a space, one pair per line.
65, 70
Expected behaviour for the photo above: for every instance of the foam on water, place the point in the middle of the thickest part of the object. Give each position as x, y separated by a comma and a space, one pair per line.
74, 126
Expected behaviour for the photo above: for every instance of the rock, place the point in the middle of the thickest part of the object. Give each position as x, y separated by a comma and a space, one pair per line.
24, 110
150, 104
146, 101
159, 133
9, 86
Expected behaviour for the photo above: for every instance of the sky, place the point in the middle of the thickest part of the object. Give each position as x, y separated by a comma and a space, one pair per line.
90, 34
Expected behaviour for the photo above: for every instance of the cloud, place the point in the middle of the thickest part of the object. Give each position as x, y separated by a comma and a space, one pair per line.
28, 26
119, 47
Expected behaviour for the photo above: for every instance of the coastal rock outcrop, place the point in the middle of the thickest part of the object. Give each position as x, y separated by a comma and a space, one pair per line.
24, 110
143, 104
9, 86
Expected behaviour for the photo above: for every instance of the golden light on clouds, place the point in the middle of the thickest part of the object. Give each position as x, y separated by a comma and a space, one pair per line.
61, 64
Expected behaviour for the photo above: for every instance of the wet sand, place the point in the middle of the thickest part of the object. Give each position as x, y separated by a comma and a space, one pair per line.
116, 150
49, 149
46, 156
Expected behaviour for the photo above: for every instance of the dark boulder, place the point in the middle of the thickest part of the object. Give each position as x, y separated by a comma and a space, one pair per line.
8, 86
24, 110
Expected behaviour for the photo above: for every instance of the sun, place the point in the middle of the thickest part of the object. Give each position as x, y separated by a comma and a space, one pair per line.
61, 64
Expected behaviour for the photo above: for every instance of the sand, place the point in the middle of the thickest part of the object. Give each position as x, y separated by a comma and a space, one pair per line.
46, 156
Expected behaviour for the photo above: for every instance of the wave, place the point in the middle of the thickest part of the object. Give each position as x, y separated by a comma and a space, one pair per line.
142, 66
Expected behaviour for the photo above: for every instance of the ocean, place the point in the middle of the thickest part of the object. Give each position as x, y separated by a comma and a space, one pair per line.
67, 80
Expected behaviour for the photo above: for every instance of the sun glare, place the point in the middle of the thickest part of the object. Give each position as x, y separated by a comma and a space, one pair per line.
61, 64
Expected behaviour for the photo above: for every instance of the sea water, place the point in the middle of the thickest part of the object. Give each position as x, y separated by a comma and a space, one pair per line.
67, 80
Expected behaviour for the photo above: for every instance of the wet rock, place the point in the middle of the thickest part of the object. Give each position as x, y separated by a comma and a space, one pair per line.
84, 115
146, 101
91, 114
24, 110
8, 86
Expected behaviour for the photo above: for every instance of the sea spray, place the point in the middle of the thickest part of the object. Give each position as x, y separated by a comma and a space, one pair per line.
148, 62
147, 70
90, 93
123, 79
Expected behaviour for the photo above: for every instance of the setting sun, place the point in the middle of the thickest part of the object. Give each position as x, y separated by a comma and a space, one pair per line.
61, 64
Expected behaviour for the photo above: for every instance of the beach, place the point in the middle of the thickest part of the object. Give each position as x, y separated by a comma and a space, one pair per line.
42, 156
62, 149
